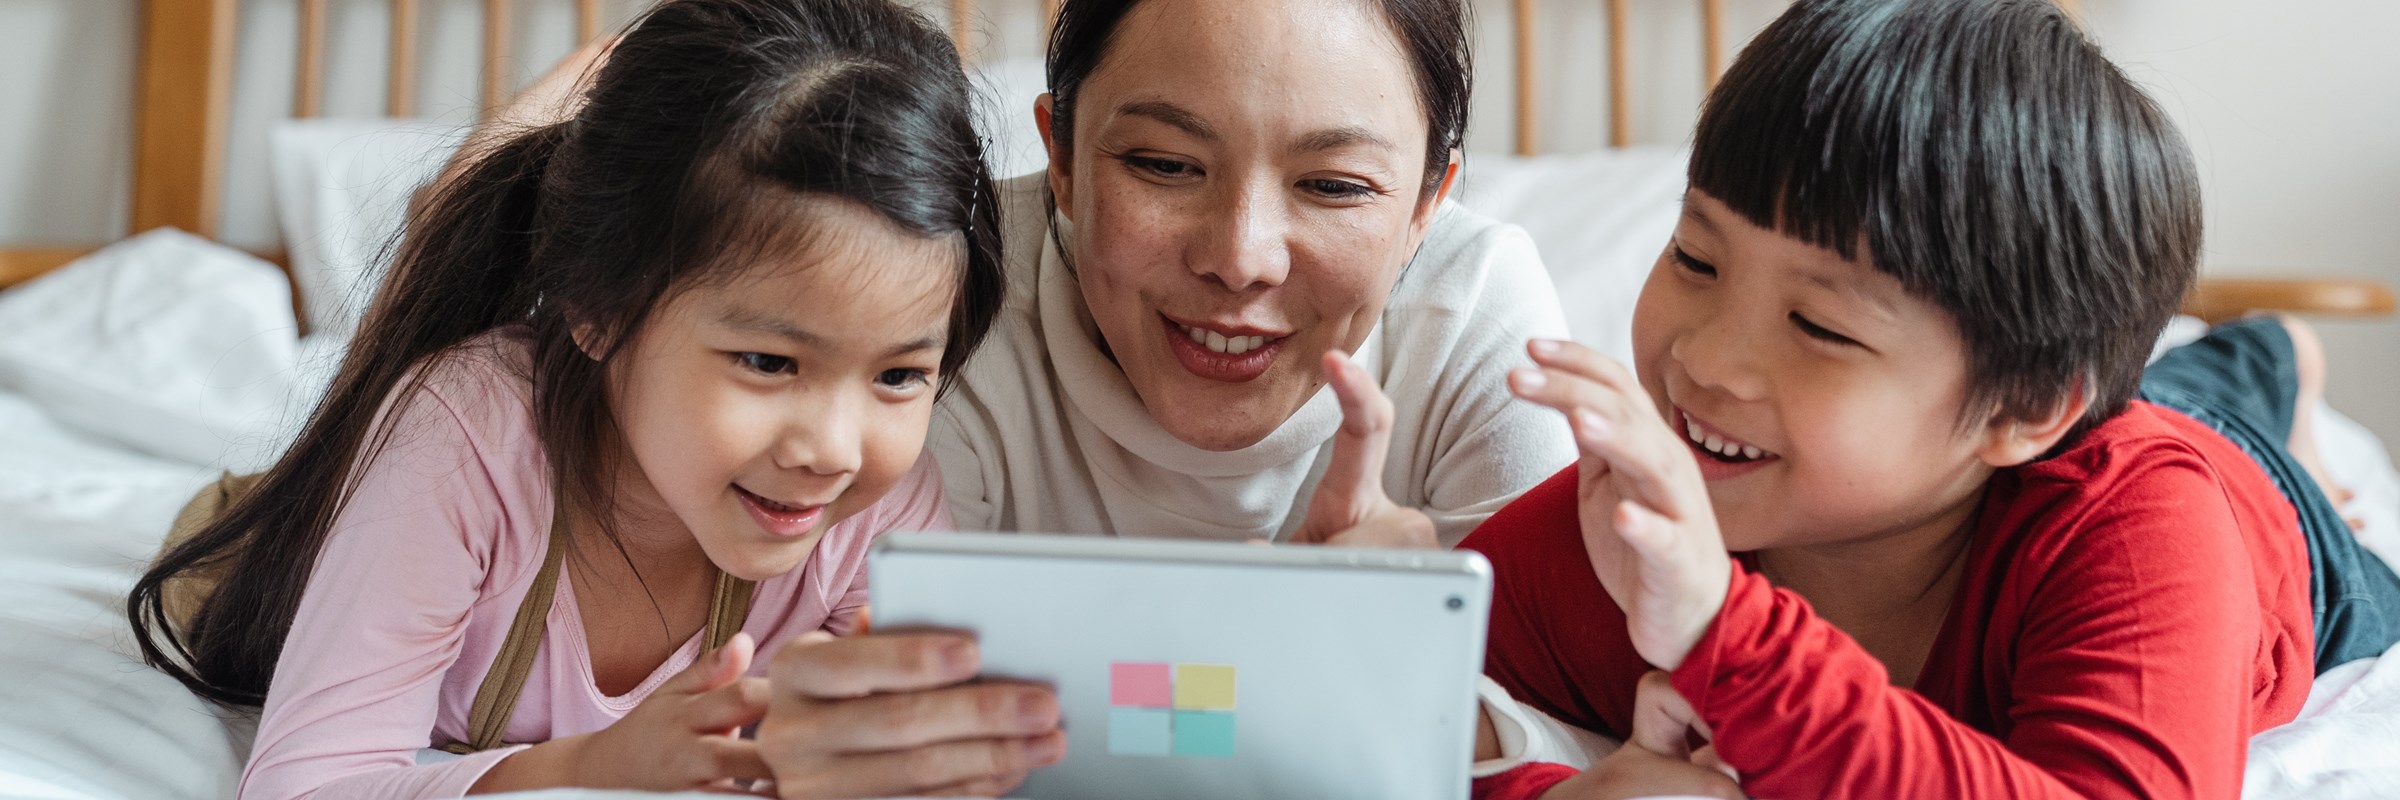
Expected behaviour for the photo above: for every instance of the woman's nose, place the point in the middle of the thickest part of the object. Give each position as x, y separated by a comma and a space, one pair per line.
1243, 245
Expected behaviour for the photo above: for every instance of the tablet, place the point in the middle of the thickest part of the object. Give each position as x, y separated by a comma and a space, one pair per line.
1203, 669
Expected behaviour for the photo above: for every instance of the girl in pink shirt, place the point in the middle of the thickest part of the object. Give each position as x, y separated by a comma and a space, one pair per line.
677, 353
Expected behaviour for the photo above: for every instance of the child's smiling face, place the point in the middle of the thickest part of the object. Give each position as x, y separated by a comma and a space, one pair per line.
760, 411
1822, 400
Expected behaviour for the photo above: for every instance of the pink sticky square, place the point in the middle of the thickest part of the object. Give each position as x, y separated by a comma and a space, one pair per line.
1145, 685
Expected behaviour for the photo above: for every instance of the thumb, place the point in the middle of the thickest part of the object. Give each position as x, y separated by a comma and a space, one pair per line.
716, 668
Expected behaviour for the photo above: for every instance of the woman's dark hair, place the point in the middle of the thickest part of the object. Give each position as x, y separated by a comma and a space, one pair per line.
713, 130
1433, 34
1988, 156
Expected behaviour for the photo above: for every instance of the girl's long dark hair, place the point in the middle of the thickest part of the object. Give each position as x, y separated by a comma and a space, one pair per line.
712, 130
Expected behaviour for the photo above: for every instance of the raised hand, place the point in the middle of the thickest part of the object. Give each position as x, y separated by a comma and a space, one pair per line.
896, 714
1349, 507
1646, 518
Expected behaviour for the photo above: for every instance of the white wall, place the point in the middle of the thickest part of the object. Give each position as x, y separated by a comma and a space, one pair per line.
2291, 106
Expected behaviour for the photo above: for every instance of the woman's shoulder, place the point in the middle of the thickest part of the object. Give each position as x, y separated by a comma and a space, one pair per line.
1477, 265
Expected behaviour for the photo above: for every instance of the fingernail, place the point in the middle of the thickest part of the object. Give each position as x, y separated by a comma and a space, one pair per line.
1591, 426
959, 657
1545, 347
1035, 711
1046, 750
1529, 379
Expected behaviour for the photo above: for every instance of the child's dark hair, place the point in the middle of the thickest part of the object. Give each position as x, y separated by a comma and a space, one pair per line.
1988, 156
710, 137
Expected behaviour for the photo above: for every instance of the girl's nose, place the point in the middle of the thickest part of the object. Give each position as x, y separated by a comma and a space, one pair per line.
1243, 244
826, 441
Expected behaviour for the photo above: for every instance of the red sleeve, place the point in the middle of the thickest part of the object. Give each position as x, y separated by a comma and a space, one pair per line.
2128, 675
1556, 641
1523, 782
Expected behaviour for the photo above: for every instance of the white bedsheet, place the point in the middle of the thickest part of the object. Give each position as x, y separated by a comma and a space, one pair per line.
80, 512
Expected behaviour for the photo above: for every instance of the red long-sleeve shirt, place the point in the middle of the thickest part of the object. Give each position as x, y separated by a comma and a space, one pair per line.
2132, 610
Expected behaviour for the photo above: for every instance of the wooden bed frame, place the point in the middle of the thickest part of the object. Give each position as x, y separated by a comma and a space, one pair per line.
185, 92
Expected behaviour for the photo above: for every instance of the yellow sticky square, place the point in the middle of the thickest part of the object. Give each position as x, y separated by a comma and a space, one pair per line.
1204, 686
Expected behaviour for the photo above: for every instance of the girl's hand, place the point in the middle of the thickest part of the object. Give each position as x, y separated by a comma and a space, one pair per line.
1349, 507
1658, 759
893, 714
1646, 518
684, 736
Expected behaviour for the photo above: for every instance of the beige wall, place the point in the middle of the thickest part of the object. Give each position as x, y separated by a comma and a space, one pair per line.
2291, 106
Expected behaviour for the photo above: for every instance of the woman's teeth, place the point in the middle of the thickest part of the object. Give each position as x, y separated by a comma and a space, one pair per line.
1717, 444
1219, 343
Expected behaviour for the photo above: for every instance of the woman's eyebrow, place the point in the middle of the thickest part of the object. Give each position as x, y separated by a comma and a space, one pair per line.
1345, 136
1174, 115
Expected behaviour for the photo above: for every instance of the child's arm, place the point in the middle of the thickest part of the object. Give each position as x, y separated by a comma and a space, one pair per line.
2128, 674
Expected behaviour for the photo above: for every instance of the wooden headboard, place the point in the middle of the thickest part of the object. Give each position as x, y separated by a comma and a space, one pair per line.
184, 98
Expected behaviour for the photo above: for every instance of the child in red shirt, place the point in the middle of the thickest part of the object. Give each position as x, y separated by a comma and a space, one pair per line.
1890, 361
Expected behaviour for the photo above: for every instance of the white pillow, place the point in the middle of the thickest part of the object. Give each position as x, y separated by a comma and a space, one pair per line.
1004, 95
1599, 219
342, 188
169, 344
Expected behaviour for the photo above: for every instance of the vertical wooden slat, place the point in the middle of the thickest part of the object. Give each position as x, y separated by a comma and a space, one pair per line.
1619, 59
960, 12
1712, 43
1527, 142
587, 21
308, 68
495, 55
186, 89
400, 91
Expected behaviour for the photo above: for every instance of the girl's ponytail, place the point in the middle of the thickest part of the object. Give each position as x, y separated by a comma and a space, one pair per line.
459, 271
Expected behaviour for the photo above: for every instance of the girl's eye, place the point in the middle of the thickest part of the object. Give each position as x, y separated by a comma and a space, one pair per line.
1696, 266
1336, 189
1162, 167
765, 364
903, 378
1820, 332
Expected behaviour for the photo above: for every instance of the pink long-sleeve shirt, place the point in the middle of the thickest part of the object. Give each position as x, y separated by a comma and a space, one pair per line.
415, 590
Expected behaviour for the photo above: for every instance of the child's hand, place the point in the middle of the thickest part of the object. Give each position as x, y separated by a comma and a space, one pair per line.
686, 735
1658, 759
894, 714
1349, 507
1646, 518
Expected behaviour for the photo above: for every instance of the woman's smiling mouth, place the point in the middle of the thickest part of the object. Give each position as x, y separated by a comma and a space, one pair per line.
1230, 355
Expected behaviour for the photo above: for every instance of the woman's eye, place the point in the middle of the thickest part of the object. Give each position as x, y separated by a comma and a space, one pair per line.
1163, 167
1820, 332
765, 364
1696, 266
1337, 189
904, 378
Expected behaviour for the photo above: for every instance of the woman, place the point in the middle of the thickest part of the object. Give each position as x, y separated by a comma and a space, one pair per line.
1242, 193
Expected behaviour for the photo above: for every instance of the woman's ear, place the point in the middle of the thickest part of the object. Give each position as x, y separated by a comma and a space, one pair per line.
2012, 442
1062, 186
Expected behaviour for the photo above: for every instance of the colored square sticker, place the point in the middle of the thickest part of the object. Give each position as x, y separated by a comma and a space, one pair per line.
1206, 734
1139, 684
1204, 687
1139, 732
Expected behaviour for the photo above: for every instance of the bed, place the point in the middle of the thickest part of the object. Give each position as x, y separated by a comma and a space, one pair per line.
132, 374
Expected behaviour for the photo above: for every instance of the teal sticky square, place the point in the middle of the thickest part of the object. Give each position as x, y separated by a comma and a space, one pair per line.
1139, 732
1207, 734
